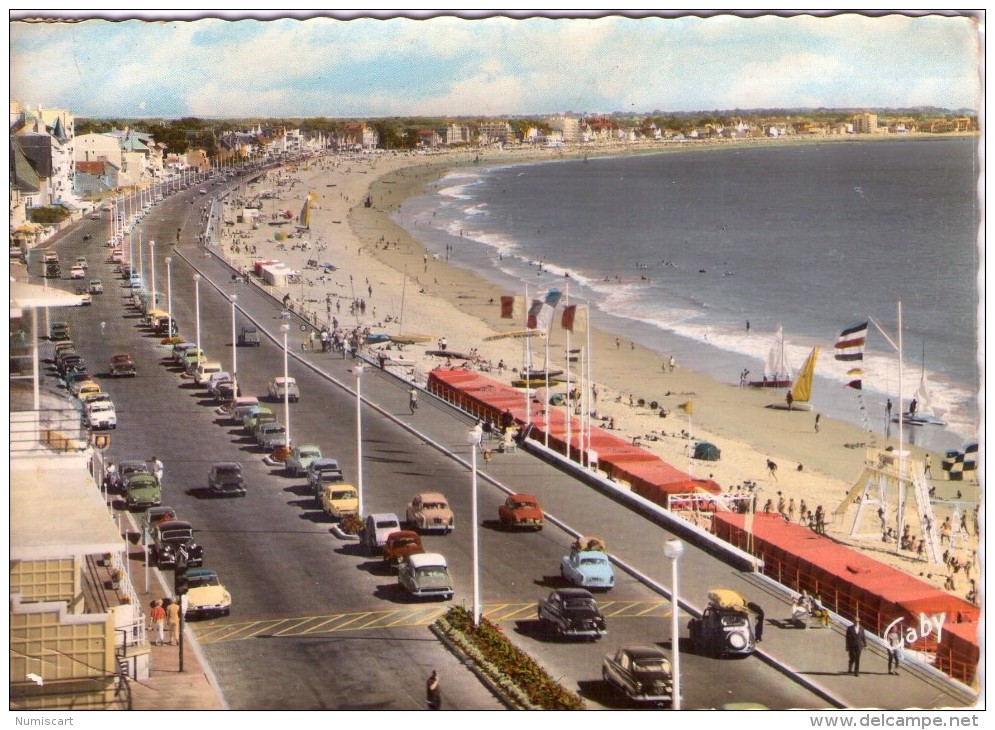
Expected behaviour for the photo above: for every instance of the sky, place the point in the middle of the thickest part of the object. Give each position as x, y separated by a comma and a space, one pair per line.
483, 65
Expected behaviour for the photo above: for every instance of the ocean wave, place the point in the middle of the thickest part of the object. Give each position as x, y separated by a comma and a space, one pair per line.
476, 210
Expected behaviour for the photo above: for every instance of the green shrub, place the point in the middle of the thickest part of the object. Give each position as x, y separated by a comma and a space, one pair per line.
48, 215
512, 670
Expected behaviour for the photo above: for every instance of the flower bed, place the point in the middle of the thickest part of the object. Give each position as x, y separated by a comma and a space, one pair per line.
513, 672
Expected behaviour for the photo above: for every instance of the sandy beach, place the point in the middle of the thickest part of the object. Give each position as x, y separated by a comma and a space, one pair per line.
407, 291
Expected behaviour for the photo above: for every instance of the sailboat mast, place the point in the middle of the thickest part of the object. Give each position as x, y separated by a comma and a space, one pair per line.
901, 434
404, 285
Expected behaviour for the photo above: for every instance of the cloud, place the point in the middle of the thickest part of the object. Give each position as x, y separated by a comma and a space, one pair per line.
447, 65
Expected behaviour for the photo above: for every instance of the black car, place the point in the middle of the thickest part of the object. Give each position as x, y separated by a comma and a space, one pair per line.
226, 480
248, 337
722, 632
573, 613
171, 538
641, 673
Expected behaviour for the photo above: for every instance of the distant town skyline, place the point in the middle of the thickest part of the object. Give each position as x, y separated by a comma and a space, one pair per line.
180, 65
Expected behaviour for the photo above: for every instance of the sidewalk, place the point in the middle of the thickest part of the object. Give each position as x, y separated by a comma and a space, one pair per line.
167, 688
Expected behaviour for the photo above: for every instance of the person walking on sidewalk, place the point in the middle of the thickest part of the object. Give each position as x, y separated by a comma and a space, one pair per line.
173, 620
157, 620
856, 642
433, 691
413, 399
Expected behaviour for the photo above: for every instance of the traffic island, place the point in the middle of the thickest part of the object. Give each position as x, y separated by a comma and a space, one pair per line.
510, 673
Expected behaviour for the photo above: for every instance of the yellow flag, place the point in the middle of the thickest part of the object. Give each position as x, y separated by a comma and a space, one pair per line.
687, 407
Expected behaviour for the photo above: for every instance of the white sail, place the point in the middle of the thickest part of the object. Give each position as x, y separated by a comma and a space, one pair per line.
776, 366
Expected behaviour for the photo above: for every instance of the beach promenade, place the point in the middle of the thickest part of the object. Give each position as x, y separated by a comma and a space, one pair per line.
382, 278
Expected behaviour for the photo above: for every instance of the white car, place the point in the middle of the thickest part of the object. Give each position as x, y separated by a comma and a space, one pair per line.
280, 386
77, 272
204, 372
99, 415
81, 261
206, 596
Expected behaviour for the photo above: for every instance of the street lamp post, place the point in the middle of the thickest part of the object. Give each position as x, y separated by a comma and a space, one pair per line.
285, 328
196, 298
473, 437
234, 349
673, 549
155, 304
358, 371
169, 296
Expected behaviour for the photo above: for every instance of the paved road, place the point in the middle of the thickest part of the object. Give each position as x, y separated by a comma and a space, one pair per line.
294, 584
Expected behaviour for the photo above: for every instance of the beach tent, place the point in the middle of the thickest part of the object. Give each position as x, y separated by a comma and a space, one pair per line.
706, 451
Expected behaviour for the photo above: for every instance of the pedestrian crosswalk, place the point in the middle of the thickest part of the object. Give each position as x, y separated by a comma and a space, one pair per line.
223, 630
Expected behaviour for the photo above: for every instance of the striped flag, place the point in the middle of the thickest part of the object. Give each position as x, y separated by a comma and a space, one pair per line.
850, 343
542, 310
512, 307
574, 318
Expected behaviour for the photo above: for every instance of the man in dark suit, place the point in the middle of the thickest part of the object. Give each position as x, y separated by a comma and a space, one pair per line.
856, 641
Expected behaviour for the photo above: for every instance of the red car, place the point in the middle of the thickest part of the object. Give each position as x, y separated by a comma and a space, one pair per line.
399, 545
521, 511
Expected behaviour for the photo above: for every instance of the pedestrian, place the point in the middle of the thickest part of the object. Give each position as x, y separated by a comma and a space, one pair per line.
442, 344
772, 469
157, 620
672, 363
618, 343
413, 399
758, 628
157, 468
856, 642
310, 340
433, 691
747, 325
927, 465
817, 417
173, 620
790, 399
110, 476
887, 410
791, 510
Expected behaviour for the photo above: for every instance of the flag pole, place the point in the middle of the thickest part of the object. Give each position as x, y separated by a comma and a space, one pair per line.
566, 298
528, 360
590, 384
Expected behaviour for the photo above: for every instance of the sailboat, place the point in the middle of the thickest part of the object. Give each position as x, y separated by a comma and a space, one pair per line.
920, 411
801, 392
777, 371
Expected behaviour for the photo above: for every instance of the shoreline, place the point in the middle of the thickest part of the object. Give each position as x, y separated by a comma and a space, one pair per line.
437, 298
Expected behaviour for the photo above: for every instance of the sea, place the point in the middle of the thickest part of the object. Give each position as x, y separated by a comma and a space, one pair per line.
703, 253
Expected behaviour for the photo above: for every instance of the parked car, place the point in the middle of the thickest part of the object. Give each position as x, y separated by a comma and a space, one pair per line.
225, 480
171, 537
587, 567
400, 545
521, 511
300, 459
572, 613
280, 386
255, 416
58, 331
125, 469
430, 512
87, 388
206, 596
85, 300
426, 575
216, 378
224, 392
725, 627
321, 472
193, 358
376, 530
180, 349
154, 515
76, 379
122, 366
77, 272
205, 370
272, 436
142, 491
641, 673
117, 256
96, 286
248, 336
240, 406
81, 262
99, 415
339, 500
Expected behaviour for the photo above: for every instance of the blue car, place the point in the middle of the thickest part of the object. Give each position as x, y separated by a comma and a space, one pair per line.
589, 569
